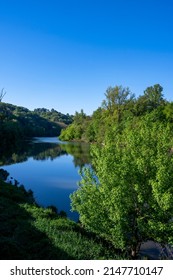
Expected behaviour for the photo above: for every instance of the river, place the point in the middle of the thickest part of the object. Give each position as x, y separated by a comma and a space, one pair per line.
50, 168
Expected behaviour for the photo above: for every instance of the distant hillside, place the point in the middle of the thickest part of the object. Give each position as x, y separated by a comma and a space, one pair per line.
54, 116
17, 123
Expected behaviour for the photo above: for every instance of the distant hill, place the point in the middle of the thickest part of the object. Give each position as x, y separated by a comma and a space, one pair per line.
54, 116
17, 123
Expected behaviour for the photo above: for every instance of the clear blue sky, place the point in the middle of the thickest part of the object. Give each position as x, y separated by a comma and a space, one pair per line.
64, 54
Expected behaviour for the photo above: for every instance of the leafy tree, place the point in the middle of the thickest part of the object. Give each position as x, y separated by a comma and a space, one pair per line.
154, 96
68, 133
116, 99
128, 198
76, 129
150, 100
79, 117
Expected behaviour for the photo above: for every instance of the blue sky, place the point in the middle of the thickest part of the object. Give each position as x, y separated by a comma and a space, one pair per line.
65, 54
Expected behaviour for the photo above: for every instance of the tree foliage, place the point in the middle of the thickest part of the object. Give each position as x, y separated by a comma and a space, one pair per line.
150, 100
116, 100
168, 111
118, 107
128, 198
75, 131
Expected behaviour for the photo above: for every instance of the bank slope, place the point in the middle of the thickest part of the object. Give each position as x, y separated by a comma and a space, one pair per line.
28, 231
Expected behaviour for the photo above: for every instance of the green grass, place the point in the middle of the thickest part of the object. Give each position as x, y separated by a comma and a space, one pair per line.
28, 231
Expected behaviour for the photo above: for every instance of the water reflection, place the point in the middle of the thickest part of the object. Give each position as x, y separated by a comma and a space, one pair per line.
48, 167
44, 148
79, 151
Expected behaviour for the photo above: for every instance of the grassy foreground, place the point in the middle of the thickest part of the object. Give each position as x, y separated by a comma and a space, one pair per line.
28, 231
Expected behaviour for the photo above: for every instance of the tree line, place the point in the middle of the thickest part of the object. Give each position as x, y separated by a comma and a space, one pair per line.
119, 107
126, 197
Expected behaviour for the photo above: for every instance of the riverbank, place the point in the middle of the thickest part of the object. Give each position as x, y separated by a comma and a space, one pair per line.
28, 231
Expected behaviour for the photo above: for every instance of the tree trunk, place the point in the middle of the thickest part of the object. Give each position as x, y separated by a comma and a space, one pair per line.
135, 250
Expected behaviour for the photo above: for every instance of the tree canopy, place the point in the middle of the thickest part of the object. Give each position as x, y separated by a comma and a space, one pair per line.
128, 198
118, 107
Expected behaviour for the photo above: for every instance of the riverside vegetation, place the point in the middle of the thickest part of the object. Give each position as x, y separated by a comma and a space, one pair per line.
127, 195
126, 198
28, 231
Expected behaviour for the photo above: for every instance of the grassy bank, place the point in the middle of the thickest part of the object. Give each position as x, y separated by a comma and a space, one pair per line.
28, 231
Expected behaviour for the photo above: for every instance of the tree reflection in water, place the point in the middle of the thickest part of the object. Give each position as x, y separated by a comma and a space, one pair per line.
42, 150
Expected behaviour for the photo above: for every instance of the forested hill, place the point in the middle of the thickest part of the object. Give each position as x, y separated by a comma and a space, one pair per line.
17, 122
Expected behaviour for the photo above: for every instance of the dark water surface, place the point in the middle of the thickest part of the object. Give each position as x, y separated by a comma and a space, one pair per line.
49, 168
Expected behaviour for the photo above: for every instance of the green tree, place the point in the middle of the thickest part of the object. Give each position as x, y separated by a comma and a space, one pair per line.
154, 96
79, 117
150, 100
68, 133
128, 198
76, 129
116, 100
96, 127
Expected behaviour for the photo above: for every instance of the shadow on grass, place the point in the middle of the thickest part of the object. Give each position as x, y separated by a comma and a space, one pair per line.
28, 231
19, 238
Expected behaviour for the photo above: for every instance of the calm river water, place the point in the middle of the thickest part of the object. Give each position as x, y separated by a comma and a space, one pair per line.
50, 169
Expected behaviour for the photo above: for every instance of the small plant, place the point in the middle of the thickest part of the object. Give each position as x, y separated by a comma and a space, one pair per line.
53, 208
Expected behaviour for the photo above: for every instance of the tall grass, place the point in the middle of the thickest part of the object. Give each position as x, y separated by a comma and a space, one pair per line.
28, 231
